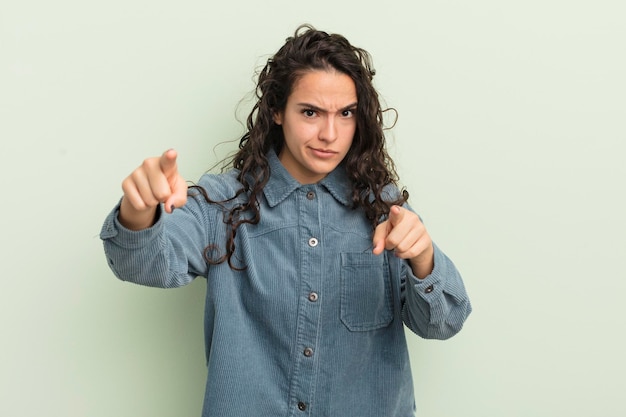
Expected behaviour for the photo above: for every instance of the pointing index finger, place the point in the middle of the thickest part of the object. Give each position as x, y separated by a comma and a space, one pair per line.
395, 215
168, 162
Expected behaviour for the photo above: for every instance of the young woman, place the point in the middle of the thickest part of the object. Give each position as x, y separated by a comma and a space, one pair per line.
314, 261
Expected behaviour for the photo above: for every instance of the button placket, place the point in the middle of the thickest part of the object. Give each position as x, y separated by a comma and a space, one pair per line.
304, 373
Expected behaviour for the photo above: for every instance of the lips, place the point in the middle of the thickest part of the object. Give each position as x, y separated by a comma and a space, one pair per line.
323, 153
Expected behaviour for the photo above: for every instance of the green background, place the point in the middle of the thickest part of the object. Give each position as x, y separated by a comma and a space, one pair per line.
511, 139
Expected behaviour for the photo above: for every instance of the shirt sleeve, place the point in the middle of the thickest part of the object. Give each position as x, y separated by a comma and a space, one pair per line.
437, 306
167, 255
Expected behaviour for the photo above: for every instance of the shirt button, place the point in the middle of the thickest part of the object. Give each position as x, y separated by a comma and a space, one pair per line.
313, 242
308, 352
301, 406
429, 289
310, 195
313, 297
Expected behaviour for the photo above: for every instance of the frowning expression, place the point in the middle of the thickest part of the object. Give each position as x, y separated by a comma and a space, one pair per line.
319, 121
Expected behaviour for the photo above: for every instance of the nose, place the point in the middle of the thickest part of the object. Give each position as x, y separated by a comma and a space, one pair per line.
328, 130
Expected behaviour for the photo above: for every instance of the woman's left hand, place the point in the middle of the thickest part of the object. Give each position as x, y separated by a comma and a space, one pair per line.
405, 234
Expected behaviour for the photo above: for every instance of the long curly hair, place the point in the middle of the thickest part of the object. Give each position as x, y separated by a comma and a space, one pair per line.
367, 163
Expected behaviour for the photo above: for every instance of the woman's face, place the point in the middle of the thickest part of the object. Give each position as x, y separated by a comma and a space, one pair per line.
318, 124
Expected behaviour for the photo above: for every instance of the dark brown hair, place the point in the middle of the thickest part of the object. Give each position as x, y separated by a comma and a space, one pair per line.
367, 163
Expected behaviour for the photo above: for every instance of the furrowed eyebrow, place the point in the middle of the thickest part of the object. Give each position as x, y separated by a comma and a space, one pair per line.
321, 110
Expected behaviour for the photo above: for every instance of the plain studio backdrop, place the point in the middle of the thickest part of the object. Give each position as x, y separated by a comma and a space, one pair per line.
511, 139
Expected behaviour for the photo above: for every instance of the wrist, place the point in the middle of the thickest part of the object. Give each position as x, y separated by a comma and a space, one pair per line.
423, 264
134, 219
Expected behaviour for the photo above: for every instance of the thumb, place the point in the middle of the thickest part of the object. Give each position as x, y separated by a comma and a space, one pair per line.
179, 195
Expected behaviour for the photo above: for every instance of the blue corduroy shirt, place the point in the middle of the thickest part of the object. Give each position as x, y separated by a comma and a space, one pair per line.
314, 324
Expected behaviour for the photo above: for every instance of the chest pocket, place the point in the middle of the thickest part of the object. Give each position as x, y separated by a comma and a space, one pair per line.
366, 297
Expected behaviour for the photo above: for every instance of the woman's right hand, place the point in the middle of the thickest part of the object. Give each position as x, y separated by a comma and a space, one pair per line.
156, 181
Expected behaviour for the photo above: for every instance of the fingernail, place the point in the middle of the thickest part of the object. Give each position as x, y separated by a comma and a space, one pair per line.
172, 207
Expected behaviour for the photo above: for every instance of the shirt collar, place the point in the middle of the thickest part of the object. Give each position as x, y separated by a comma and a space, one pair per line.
281, 184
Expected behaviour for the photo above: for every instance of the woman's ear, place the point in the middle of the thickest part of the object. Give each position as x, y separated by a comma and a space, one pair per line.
278, 118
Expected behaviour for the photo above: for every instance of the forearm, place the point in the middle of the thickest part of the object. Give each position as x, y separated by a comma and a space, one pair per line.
436, 306
167, 254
